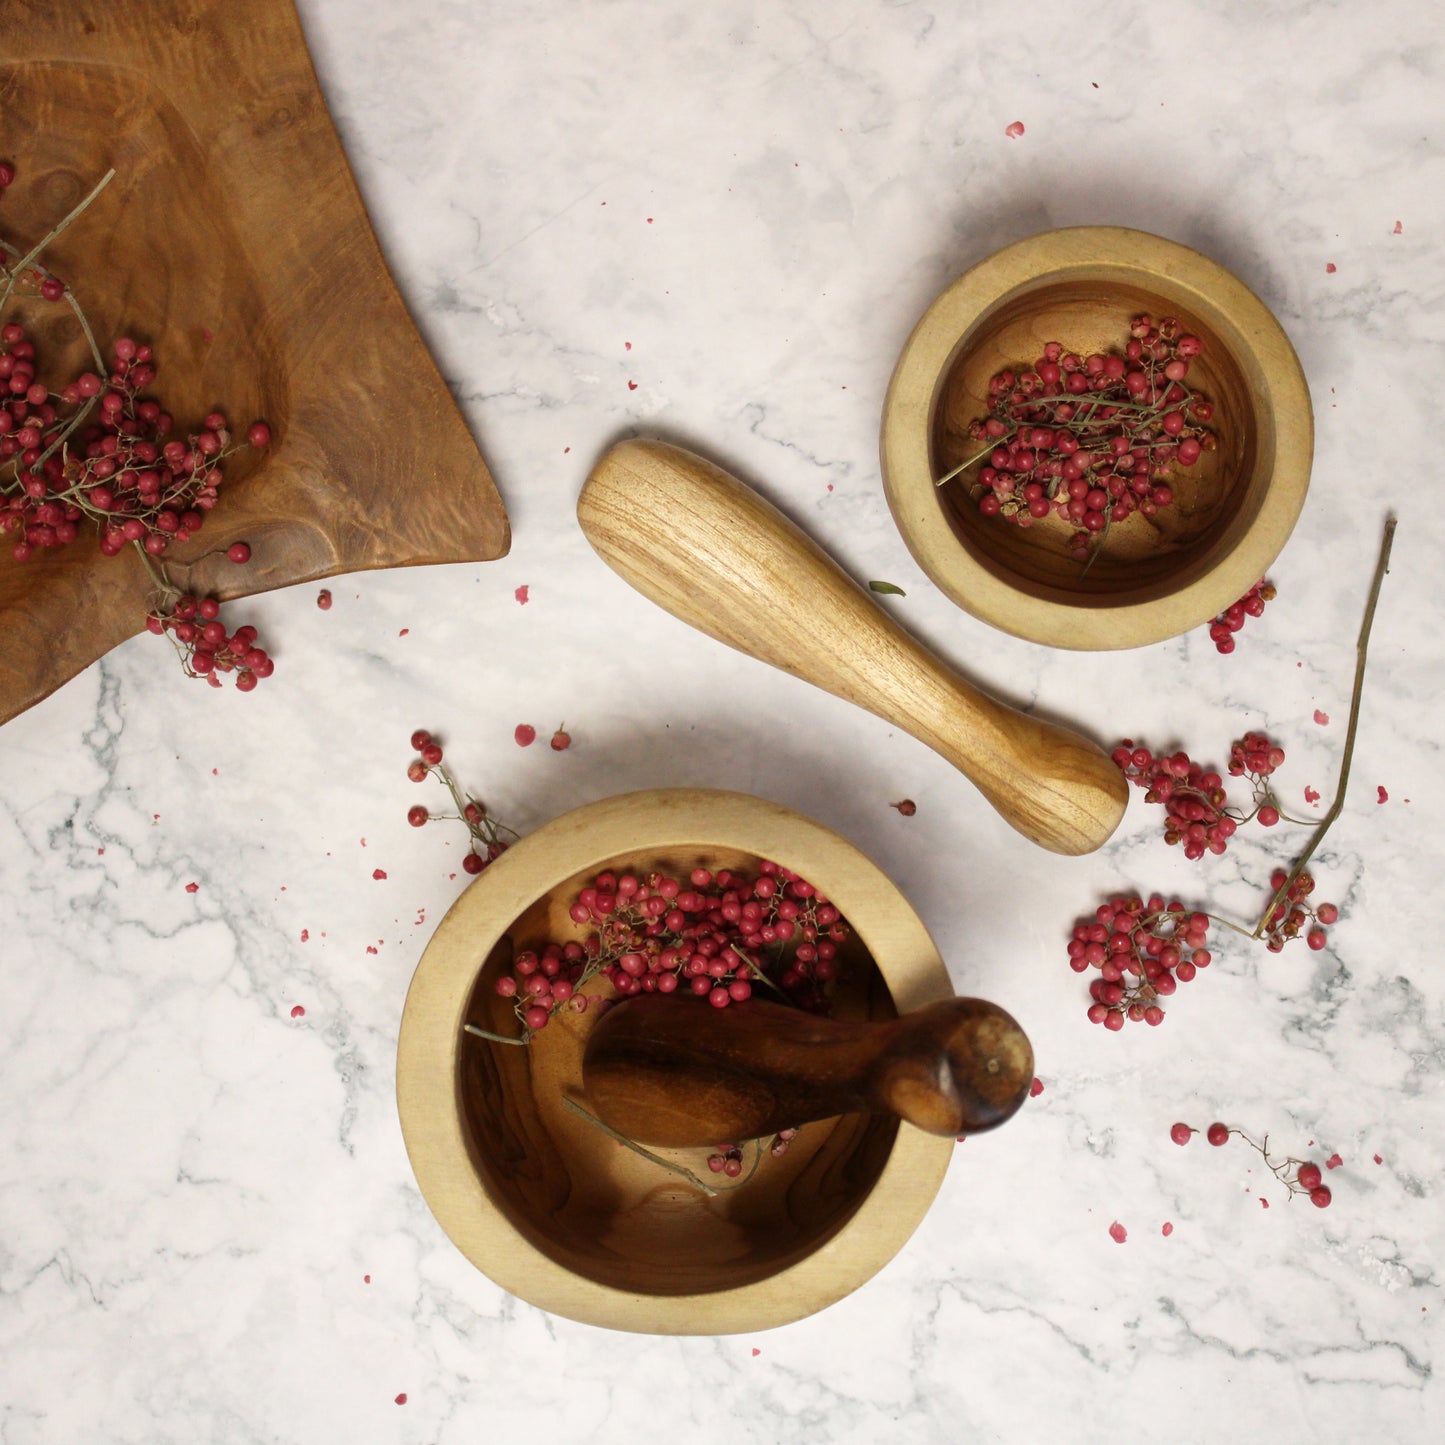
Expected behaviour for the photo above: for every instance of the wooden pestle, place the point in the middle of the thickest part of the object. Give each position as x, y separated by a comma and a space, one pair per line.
717, 555
668, 1069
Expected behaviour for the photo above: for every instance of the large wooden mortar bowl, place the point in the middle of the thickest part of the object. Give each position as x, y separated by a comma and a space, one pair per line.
561, 1215
1152, 578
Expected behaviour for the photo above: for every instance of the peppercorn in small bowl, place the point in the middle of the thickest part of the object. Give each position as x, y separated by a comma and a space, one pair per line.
553, 1207
1096, 438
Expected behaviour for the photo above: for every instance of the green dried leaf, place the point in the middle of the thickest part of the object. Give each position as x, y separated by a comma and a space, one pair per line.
887, 587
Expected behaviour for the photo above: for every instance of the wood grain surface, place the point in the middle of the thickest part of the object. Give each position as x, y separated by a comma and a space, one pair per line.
714, 553
234, 240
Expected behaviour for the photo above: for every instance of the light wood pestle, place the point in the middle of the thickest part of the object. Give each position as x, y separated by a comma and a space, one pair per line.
715, 554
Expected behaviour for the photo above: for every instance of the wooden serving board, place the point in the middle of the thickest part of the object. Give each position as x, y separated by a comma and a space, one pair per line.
232, 239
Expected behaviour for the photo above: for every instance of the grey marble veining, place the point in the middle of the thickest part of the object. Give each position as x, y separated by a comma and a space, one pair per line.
718, 224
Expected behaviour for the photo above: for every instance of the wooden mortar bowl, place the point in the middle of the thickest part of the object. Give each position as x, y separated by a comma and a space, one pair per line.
1154, 577
564, 1217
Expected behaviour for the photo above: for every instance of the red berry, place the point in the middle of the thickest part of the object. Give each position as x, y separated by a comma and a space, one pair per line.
1327, 913
420, 738
431, 754
1181, 1133
1321, 1197
416, 816
323, 599
239, 552
1309, 1176
525, 735
1218, 1134
258, 434
417, 772
1316, 939
561, 741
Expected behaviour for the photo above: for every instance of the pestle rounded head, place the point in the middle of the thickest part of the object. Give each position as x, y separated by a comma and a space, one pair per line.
963, 1066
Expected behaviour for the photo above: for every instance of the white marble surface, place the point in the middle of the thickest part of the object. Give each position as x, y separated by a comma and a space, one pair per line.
742, 209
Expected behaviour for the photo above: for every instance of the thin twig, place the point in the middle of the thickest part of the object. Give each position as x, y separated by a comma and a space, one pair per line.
1361, 650
756, 971
638, 1149
37, 250
965, 465
89, 334
495, 1038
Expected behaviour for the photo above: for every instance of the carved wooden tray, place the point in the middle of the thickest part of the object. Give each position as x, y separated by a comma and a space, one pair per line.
233, 240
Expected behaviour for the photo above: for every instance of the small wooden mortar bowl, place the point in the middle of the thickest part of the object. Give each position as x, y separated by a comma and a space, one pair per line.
561, 1215
1154, 577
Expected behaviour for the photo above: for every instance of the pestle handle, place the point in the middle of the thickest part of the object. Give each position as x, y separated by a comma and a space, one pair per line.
668, 1069
715, 554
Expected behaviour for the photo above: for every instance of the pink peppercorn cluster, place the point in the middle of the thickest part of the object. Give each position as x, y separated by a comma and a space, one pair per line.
1293, 915
125, 472
1092, 438
1197, 814
728, 1158
487, 840
97, 451
1223, 628
207, 649
717, 935
1299, 1176
1141, 952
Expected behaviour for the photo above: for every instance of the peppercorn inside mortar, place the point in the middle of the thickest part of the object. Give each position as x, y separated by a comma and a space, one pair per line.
585, 1199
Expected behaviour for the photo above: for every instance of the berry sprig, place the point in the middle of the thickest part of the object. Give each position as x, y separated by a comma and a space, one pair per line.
123, 472
717, 935
1290, 915
1142, 952
206, 648
728, 1158
1092, 438
1125, 937
1299, 1176
490, 838
1198, 814
1228, 622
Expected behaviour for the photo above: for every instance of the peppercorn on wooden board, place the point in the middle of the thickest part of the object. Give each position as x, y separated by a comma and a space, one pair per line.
232, 239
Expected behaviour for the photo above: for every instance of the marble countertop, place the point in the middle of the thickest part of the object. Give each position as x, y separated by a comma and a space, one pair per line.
718, 224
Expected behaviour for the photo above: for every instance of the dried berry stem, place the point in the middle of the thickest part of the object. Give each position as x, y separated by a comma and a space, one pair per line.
95, 355
495, 1038
36, 251
1361, 651
756, 971
976, 457
638, 1149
